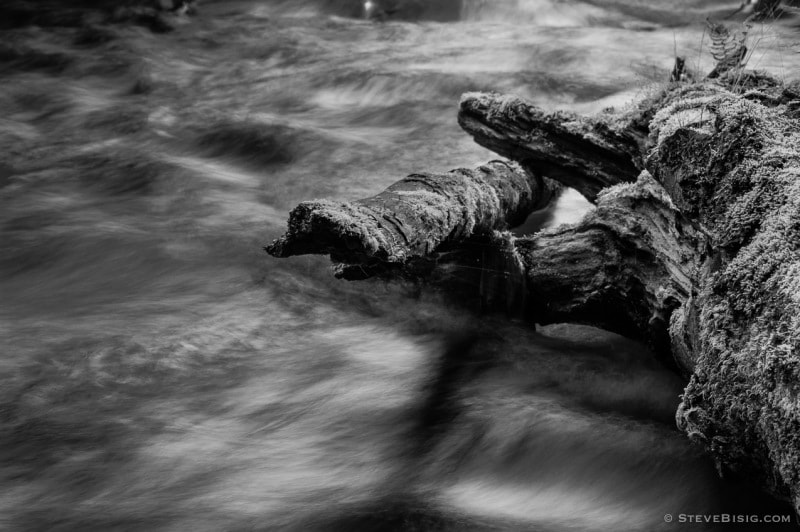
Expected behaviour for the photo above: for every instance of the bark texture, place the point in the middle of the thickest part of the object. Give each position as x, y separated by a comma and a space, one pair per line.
699, 254
625, 267
414, 217
587, 155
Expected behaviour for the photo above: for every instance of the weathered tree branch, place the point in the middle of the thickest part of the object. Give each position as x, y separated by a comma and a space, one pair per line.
587, 155
415, 216
625, 267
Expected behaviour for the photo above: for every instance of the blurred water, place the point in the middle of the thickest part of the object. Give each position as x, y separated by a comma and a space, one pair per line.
160, 372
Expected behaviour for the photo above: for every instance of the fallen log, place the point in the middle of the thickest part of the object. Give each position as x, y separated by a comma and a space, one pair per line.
625, 267
699, 255
585, 154
733, 165
414, 217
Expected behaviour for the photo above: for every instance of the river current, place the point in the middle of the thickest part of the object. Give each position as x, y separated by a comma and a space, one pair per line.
161, 372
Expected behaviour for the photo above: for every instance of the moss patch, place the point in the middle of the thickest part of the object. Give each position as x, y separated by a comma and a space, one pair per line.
737, 172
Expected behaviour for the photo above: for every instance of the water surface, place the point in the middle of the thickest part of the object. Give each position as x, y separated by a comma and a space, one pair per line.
160, 372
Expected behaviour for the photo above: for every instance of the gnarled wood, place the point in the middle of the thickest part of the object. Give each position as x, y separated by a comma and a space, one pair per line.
587, 155
625, 267
415, 216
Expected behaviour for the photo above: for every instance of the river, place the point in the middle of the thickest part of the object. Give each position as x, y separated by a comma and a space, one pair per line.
161, 372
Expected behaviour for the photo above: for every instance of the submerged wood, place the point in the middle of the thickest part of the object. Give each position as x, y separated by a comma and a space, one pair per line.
699, 255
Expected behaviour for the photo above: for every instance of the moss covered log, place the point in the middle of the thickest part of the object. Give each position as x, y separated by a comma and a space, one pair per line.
733, 165
699, 255
414, 217
625, 267
728, 271
585, 154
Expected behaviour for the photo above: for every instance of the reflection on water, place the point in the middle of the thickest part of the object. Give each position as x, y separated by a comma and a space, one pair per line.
160, 372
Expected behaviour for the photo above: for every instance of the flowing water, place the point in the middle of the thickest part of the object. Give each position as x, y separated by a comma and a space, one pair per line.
160, 372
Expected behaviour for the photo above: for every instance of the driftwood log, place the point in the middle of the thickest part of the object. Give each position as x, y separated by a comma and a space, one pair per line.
693, 247
414, 217
587, 155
